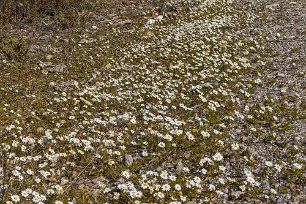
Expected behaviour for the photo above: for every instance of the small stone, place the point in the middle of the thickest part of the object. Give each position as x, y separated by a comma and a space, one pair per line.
74, 174
126, 22
284, 89
272, 6
83, 41
45, 64
170, 166
179, 166
238, 131
121, 180
108, 66
159, 18
40, 129
210, 84
150, 22
44, 72
52, 84
128, 160
49, 57
48, 67
59, 68
187, 155
96, 180
266, 183
52, 178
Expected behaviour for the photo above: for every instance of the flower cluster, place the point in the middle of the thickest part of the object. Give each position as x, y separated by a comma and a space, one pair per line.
163, 123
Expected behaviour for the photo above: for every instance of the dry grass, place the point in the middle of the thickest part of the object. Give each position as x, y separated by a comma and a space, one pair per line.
21, 11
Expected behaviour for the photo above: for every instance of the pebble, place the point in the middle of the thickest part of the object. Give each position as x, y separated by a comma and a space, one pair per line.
49, 57
59, 68
52, 84
128, 160
179, 166
272, 6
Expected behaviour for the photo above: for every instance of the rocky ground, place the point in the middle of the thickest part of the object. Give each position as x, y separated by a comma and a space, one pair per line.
156, 102
281, 25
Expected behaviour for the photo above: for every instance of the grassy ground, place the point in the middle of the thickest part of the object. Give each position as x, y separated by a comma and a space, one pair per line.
115, 111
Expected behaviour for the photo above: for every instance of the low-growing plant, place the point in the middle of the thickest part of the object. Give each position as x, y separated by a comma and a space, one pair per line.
13, 47
20, 11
